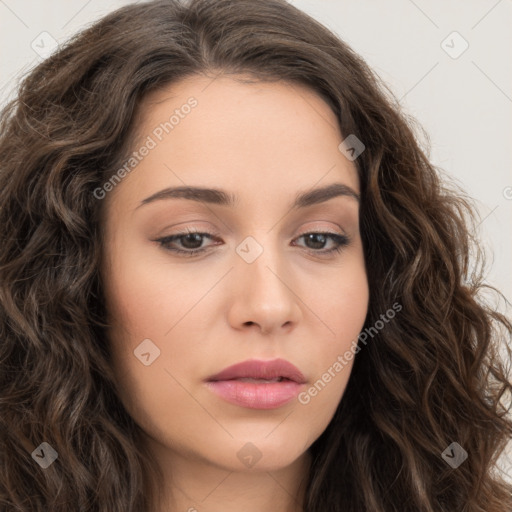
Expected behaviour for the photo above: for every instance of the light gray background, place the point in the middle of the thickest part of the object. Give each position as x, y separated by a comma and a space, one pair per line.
464, 103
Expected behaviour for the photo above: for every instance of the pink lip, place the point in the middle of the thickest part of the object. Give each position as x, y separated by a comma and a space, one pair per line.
254, 395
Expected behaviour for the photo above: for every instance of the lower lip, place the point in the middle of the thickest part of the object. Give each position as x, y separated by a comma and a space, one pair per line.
267, 395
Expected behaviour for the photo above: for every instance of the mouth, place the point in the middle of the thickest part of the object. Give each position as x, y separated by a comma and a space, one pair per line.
258, 384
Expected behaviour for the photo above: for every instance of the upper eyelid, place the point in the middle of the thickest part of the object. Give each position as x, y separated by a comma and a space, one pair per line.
214, 234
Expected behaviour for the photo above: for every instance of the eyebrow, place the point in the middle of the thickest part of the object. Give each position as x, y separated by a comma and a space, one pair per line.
223, 198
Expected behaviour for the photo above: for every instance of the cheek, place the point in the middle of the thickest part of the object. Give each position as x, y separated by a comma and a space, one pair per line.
143, 307
342, 306
319, 401
145, 300
343, 301
146, 297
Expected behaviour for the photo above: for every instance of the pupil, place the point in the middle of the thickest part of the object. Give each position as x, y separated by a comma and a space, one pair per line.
312, 236
194, 237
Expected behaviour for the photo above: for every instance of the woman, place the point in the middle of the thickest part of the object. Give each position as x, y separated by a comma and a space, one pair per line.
231, 279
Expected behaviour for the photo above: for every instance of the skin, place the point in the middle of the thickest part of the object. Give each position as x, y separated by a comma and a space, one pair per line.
264, 142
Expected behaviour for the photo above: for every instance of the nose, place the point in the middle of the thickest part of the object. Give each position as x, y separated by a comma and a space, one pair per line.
262, 295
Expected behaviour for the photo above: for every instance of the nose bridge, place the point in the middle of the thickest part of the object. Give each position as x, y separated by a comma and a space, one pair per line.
260, 261
262, 288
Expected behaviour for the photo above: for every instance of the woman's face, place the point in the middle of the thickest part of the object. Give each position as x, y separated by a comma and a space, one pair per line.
259, 290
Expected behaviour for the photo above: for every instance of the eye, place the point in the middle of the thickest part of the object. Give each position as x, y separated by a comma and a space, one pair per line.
316, 239
191, 242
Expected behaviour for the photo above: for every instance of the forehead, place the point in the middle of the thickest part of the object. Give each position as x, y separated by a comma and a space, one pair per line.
274, 137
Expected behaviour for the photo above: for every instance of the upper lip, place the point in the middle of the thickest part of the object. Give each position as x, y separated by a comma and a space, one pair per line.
258, 369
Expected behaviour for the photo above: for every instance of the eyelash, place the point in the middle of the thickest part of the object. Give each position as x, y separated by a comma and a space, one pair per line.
341, 242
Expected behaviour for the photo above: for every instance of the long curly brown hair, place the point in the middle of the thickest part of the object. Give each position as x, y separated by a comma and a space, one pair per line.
432, 377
